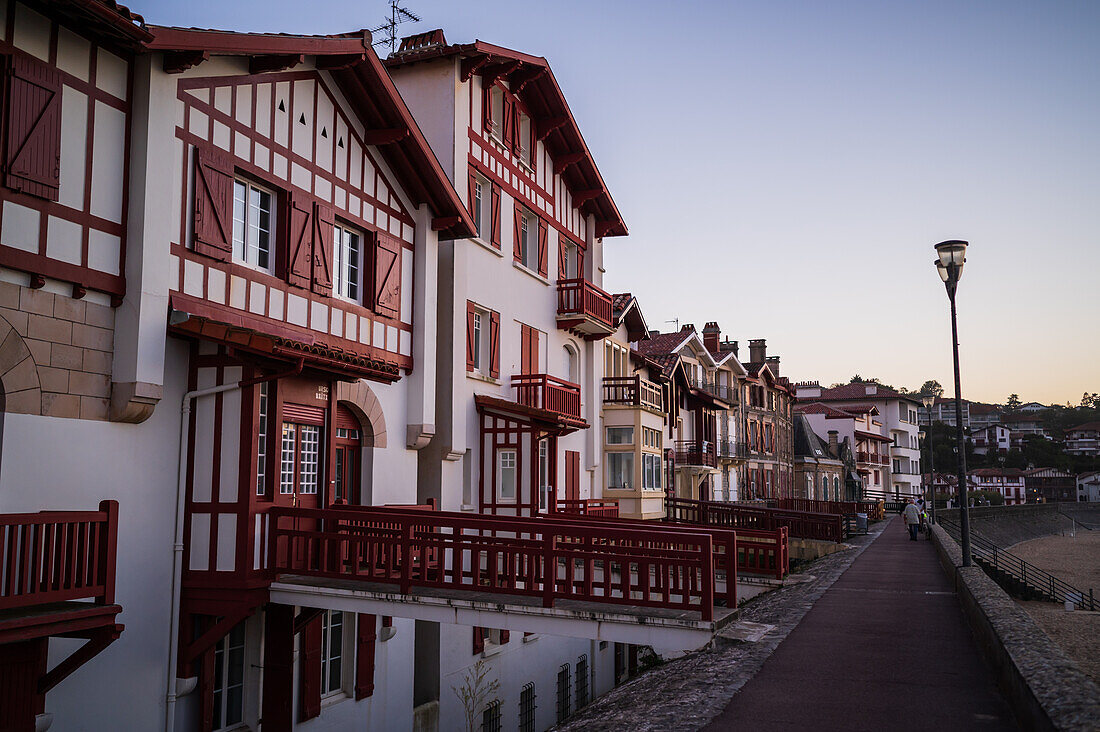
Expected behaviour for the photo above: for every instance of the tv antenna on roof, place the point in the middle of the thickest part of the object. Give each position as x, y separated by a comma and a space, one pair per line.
676, 321
398, 15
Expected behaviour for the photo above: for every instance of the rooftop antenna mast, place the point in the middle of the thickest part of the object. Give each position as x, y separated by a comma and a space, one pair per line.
676, 321
398, 15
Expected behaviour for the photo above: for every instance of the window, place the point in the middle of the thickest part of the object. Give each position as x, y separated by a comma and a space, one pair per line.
620, 435
651, 472
527, 230
525, 140
563, 692
347, 262
810, 486
496, 111
620, 470
479, 194
229, 679
299, 459
253, 224
544, 476
581, 686
651, 437
490, 718
824, 483
261, 442
479, 359
527, 708
506, 475
836, 487
332, 653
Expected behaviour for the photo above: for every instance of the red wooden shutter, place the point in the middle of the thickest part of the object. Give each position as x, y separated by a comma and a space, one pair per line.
324, 222
494, 345
206, 688
563, 259
524, 349
387, 275
542, 246
32, 159
471, 354
300, 239
517, 241
471, 199
364, 655
278, 691
479, 640
572, 475
509, 121
533, 145
213, 203
487, 106
309, 671
504, 637
494, 236
580, 263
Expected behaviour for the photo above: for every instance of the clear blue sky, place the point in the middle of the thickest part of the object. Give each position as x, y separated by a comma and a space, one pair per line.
785, 167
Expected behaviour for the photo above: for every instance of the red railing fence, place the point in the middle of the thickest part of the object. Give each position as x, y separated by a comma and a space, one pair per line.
548, 392
800, 524
53, 556
588, 507
554, 559
874, 509
581, 297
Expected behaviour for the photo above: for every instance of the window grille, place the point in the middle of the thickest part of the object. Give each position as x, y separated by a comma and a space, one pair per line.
490, 718
581, 683
527, 708
563, 692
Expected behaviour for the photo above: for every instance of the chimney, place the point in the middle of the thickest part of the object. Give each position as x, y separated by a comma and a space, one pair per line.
758, 350
728, 345
834, 448
711, 332
773, 364
654, 333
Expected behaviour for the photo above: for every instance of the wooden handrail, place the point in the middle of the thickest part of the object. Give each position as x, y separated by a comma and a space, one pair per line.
553, 559
801, 524
633, 391
54, 556
548, 392
874, 509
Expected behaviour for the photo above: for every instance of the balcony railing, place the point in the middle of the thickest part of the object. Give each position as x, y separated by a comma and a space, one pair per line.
800, 524
632, 391
732, 449
579, 298
588, 507
725, 392
873, 509
690, 452
552, 558
873, 458
54, 556
548, 392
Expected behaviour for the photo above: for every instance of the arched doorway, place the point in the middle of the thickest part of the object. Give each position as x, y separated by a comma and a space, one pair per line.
353, 468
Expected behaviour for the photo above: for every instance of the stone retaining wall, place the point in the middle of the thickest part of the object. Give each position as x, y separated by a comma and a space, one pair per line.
1045, 689
1008, 525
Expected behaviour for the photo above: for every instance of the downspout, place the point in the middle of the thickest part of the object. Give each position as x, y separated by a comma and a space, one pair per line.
172, 692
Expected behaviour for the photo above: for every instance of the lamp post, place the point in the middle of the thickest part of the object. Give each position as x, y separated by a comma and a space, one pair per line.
929, 400
951, 255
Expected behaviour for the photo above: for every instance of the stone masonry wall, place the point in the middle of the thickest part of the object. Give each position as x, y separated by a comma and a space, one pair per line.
55, 353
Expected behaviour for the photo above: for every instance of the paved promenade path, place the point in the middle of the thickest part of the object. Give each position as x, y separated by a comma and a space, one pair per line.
885, 648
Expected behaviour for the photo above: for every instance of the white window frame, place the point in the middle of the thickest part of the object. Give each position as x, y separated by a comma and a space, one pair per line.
263, 424
223, 653
344, 263
507, 460
626, 456
246, 250
627, 431
545, 489
483, 215
652, 472
343, 662
477, 336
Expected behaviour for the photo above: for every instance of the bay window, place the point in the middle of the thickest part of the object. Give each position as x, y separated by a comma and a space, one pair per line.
620, 470
651, 472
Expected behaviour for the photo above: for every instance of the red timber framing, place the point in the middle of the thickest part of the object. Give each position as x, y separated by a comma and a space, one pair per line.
32, 131
549, 558
51, 563
567, 176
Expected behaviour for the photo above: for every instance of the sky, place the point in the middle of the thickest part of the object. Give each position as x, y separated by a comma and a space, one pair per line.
785, 167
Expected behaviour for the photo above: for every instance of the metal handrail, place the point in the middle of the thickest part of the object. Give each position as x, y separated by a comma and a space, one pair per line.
1030, 575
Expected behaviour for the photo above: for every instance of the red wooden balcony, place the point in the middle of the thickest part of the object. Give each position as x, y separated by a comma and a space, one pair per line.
585, 308
633, 391
872, 458
692, 453
800, 524
550, 393
587, 507
552, 558
57, 556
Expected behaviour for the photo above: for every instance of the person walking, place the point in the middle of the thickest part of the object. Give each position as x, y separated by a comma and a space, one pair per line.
911, 515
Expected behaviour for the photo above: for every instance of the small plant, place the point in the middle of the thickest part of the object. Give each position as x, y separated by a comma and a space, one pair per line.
475, 692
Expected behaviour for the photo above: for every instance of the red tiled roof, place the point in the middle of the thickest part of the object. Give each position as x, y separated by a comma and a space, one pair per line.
998, 472
858, 390
1085, 426
663, 343
979, 408
105, 18
820, 408
872, 436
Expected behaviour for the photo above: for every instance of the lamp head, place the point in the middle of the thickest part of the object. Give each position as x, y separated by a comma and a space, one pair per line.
928, 400
951, 257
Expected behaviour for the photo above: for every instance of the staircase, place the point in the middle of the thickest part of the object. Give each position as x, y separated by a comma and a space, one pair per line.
1018, 578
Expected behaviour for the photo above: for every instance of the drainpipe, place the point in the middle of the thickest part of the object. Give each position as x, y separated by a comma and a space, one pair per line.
173, 691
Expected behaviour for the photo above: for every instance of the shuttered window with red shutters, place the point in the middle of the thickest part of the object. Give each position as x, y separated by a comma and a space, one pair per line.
299, 263
324, 223
473, 336
543, 233
213, 215
494, 344
309, 671
494, 215
32, 144
387, 275
563, 258
366, 636
518, 253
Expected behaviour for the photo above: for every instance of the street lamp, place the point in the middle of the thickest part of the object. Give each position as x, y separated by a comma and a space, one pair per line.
928, 401
951, 255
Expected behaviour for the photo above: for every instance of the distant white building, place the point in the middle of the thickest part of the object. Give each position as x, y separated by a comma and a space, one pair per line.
1088, 487
995, 438
1084, 439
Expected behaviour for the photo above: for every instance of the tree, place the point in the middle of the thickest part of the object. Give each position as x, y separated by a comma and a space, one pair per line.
931, 388
476, 691
1013, 402
1090, 401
